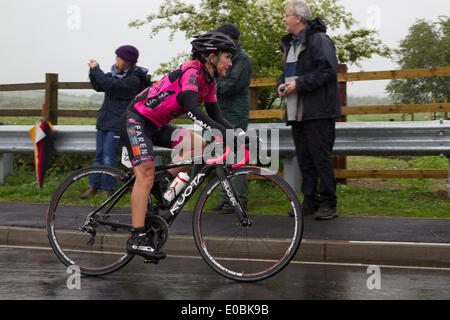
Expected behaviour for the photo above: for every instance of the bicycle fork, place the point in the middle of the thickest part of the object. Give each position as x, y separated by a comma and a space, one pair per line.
234, 199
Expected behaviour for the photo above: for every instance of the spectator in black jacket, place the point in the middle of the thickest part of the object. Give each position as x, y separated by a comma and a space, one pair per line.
120, 86
232, 96
309, 83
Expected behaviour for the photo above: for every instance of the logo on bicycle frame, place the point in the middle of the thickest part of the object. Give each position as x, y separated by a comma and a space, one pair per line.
187, 192
229, 193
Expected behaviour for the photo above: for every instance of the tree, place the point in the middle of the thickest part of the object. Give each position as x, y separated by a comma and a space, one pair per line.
427, 45
260, 23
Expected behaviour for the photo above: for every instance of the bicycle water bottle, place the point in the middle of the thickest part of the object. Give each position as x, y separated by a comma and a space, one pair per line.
176, 186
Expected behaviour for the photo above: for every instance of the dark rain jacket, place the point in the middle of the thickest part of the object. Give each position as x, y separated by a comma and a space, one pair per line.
232, 90
317, 73
119, 92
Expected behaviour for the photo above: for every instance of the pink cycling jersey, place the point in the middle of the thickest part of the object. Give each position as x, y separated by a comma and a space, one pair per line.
159, 103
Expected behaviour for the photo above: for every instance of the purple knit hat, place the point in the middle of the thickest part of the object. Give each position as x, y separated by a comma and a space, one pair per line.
128, 53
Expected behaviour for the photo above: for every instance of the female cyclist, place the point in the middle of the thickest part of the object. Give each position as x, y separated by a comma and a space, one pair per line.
147, 123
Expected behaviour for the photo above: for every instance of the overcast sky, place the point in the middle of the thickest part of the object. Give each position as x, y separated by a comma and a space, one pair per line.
59, 36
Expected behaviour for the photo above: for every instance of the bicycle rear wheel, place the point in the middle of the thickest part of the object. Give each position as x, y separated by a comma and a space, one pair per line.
95, 248
249, 253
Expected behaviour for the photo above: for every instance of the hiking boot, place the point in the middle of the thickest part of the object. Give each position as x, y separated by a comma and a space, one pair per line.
90, 191
140, 244
326, 213
160, 185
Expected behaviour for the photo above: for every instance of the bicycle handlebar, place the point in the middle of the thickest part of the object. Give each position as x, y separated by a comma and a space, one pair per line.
223, 156
244, 160
227, 153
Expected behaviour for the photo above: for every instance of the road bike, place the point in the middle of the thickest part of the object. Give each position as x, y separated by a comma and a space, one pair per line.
253, 243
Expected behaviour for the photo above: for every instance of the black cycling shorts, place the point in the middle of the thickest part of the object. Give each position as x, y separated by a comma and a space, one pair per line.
139, 134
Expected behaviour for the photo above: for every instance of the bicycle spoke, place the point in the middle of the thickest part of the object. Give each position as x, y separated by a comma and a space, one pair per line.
74, 234
257, 251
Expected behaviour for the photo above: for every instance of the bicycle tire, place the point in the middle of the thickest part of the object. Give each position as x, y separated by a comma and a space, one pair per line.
264, 249
67, 213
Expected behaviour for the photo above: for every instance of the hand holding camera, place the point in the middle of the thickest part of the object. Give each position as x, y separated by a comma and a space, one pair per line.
287, 89
92, 63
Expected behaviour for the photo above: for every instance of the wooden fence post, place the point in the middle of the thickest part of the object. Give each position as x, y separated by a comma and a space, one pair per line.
340, 162
446, 118
253, 95
51, 98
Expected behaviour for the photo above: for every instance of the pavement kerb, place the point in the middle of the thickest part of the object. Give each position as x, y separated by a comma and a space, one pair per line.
327, 251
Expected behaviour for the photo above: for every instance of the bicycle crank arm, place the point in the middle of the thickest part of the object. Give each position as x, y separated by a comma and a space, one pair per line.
114, 225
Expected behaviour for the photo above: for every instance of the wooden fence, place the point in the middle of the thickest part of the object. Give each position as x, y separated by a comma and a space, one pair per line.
51, 112
344, 77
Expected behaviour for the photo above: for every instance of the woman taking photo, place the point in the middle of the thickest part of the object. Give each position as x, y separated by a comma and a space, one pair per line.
120, 86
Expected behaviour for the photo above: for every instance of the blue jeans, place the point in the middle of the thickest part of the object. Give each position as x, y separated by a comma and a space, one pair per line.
105, 154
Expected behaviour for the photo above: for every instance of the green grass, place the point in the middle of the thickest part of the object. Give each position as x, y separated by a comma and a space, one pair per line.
429, 163
21, 184
395, 197
416, 199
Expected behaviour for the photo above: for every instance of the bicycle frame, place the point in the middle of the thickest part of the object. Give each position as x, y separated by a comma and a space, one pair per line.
178, 203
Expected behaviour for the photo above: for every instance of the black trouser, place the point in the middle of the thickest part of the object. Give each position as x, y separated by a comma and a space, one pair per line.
314, 141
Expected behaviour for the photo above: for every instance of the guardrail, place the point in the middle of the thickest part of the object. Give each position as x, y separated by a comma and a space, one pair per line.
419, 138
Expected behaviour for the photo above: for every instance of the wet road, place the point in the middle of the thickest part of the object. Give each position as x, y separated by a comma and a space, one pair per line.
27, 273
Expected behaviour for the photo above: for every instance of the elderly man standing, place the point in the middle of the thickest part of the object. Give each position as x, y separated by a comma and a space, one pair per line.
309, 83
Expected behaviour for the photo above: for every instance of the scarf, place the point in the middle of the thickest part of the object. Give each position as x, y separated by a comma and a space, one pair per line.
301, 37
117, 75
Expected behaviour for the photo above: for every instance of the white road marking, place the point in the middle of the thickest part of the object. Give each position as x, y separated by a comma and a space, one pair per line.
263, 260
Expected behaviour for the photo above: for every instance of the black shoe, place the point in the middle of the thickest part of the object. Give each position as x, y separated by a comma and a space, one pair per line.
160, 185
226, 208
219, 206
140, 244
326, 213
306, 212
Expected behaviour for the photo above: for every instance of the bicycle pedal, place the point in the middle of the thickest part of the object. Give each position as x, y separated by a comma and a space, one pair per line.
91, 241
154, 261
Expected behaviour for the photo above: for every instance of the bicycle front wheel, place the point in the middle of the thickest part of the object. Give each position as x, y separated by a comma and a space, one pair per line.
258, 251
76, 239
